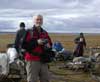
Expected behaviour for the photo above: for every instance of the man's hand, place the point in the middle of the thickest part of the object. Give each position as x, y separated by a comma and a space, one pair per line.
40, 41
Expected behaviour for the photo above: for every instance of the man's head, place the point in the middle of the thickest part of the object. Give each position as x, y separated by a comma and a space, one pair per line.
38, 20
81, 34
22, 25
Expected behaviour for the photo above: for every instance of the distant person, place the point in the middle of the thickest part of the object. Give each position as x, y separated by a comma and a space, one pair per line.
19, 37
80, 45
57, 46
60, 51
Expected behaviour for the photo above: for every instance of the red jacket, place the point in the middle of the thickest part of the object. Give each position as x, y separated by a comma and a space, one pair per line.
37, 48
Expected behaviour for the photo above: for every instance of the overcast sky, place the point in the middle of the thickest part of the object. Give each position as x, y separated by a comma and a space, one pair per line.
68, 16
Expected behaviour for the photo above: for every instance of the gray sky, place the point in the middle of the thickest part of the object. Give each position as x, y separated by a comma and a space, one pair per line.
59, 15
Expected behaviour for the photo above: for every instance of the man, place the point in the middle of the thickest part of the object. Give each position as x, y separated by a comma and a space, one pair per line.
18, 45
19, 37
80, 44
36, 40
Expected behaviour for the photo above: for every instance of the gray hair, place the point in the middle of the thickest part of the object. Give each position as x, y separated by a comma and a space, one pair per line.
38, 15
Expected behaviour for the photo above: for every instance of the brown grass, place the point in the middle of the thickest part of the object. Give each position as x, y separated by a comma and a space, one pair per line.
67, 41
6, 39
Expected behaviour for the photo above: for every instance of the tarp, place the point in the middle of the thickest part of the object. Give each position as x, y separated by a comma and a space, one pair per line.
4, 64
12, 54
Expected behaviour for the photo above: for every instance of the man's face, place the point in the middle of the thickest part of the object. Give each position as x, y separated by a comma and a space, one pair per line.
38, 21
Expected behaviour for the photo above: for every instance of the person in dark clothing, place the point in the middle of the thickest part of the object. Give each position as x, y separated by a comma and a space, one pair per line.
80, 45
20, 36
